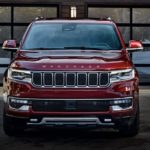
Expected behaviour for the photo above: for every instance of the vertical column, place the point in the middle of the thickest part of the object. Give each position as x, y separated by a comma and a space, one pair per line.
73, 11
12, 23
131, 27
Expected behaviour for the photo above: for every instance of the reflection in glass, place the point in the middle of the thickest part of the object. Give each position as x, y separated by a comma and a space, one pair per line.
18, 32
144, 73
143, 58
4, 54
4, 33
142, 33
125, 31
27, 14
5, 14
141, 15
119, 15
73, 11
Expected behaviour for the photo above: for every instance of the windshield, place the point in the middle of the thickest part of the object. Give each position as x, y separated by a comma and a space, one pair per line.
50, 36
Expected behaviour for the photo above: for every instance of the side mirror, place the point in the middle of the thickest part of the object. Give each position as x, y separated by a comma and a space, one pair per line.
10, 45
135, 46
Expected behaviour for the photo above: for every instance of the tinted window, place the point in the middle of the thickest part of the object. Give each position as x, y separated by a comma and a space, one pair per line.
119, 15
72, 35
28, 14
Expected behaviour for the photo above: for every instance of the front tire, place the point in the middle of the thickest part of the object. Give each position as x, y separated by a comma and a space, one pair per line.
12, 126
132, 129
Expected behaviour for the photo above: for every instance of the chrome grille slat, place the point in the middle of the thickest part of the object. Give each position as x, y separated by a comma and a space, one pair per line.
70, 79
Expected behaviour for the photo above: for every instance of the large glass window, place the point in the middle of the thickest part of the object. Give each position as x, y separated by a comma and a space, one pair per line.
142, 57
141, 15
4, 54
144, 74
125, 31
5, 30
142, 33
5, 33
119, 15
27, 14
18, 32
5, 14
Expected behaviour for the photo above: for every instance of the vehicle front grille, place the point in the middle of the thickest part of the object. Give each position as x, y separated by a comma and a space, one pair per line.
70, 105
70, 79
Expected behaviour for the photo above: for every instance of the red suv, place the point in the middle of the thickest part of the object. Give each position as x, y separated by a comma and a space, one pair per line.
71, 73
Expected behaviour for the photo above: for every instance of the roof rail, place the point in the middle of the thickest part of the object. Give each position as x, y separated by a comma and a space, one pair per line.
101, 18
104, 18
39, 18
108, 18
42, 18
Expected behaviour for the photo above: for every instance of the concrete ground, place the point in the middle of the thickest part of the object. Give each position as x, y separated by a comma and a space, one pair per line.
83, 140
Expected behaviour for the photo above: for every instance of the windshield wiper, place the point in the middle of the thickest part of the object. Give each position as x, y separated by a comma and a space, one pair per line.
44, 48
83, 48
64, 48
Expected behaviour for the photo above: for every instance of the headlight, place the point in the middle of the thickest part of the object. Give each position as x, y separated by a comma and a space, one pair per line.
21, 75
121, 75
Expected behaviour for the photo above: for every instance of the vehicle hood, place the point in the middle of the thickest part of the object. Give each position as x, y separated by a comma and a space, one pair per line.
47, 60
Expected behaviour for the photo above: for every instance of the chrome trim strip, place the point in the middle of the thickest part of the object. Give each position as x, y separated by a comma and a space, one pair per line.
83, 71
70, 121
71, 98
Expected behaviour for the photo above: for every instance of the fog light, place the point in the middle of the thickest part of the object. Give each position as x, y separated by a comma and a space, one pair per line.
24, 108
33, 120
19, 104
116, 108
108, 120
119, 108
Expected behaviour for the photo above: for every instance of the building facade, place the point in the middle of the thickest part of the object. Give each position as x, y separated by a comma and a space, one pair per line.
131, 16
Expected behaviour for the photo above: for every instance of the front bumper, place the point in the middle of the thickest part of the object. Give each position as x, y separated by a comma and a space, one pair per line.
116, 91
116, 107
99, 121
66, 121
95, 121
